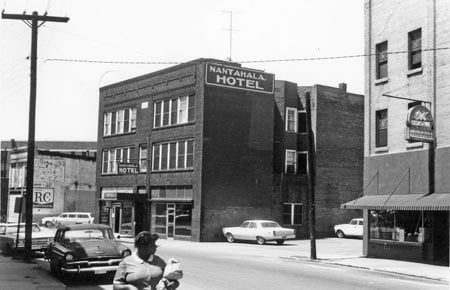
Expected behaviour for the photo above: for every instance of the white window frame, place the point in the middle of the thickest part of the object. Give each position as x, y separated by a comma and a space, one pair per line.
143, 157
288, 120
158, 162
292, 214
182, 111
119, 122
286, 160
112, 161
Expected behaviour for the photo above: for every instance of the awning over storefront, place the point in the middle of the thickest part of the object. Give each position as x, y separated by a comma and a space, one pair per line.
434, 201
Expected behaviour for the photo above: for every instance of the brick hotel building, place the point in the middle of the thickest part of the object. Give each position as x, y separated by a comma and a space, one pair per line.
189, 149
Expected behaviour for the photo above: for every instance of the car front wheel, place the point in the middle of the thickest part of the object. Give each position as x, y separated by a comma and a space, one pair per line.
49, 224
260, 240
230, 238
340, 234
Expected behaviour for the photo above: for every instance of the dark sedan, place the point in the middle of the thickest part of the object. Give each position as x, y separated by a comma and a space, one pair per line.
85, 248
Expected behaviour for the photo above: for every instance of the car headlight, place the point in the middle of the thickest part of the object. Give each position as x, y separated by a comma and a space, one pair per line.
126, 253
69, 257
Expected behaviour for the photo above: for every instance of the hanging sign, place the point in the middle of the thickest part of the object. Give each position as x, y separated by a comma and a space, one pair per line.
419, 125
239, 78
128, 168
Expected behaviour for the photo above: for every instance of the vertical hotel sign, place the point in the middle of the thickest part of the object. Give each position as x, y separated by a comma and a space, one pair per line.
419, 125
239, 78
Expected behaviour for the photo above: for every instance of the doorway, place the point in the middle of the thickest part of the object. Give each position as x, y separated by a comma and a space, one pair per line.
116, 217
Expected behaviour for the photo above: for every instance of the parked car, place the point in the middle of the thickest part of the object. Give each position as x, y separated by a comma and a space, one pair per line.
8, 236
260, 231
353, 229
68, 218
85, 248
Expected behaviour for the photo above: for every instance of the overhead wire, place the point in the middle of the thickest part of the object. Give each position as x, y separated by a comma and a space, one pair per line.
242, 61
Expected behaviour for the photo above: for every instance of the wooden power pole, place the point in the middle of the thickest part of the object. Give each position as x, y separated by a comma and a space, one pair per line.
33, 22
311, 178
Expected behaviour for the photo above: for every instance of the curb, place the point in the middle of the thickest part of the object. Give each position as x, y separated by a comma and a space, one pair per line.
327, 261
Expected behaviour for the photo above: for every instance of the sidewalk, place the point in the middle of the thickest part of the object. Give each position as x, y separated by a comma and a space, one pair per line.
16, 274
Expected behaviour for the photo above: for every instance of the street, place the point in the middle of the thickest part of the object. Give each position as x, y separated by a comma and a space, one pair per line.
250, 266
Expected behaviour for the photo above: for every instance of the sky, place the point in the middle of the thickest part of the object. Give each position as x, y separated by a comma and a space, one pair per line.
274, 36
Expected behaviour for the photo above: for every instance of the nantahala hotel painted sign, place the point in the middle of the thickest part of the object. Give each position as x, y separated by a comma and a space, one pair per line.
419, 125
239, 78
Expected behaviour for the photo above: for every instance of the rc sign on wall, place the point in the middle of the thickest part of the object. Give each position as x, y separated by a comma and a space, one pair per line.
239, 78
43, 197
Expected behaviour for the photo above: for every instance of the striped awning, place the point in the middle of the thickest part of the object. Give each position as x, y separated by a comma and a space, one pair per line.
434, 201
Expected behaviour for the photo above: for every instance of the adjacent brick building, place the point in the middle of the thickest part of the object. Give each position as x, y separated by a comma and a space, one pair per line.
337, 121
406, 199
64, 178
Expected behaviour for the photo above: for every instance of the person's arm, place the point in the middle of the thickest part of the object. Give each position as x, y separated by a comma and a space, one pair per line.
124, 287
120, 282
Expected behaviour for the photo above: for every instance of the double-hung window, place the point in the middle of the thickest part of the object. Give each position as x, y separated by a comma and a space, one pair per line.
415, 49
291, 162
173, 155
173, 111
382, 60
143, 158
292, 214
112, 157
119, 122
381, 138
291, 119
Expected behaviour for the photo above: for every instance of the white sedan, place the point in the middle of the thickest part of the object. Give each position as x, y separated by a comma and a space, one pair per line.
259, 231
354, 228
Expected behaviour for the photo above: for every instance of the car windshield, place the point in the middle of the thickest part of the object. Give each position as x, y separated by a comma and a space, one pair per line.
85, 235
12, 229
270, 225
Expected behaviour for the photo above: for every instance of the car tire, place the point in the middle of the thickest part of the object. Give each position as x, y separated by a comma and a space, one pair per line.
260, 240
9, 250
340, 234
49, 224
230, 238
280, 242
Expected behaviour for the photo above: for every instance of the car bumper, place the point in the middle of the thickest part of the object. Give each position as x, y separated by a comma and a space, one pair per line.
281, 237
94, 267
94, 270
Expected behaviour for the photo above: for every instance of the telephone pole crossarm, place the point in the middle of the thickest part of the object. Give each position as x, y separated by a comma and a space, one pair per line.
34, 19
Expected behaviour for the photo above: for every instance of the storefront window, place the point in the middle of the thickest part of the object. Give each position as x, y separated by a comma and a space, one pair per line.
183, 218
400, 225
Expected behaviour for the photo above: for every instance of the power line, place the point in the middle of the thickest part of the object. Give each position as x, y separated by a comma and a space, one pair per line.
242, 61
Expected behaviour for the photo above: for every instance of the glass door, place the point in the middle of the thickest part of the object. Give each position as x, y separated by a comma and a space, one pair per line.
116, 218
170, 220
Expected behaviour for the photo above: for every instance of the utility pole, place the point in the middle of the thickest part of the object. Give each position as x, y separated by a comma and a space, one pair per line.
33, 22
311, 178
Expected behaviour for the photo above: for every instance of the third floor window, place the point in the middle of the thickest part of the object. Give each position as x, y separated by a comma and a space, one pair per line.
119, 122
174, 111
382, 60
